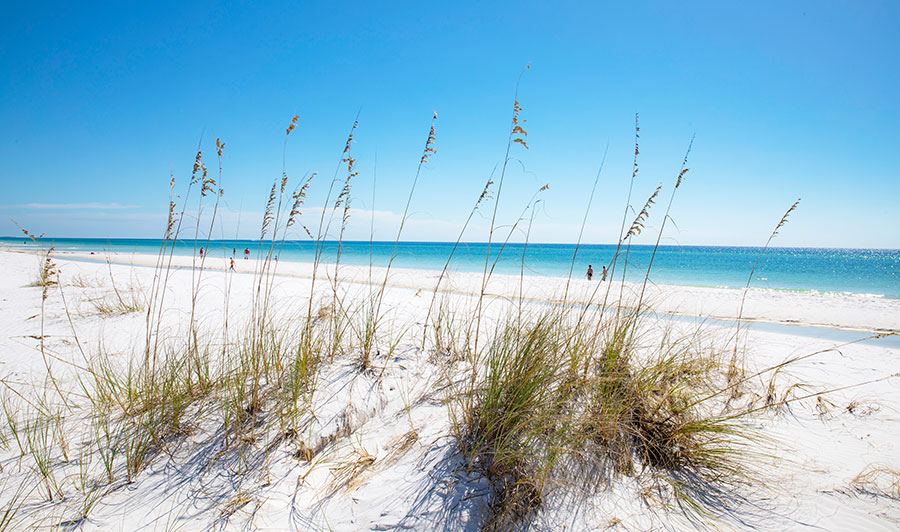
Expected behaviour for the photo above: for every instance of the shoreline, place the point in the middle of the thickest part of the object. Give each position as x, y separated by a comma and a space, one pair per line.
842, 311
866, 272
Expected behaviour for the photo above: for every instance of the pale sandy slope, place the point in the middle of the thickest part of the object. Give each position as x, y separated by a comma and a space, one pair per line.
813, 451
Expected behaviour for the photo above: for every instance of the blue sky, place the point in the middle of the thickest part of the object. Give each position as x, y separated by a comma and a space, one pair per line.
100, 103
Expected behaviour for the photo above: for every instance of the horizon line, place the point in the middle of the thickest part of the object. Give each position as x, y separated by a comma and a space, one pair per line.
218, 240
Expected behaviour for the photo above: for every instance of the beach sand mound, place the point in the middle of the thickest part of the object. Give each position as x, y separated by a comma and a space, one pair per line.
367, 436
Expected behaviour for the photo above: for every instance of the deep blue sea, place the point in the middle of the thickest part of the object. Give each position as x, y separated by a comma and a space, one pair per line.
861, 271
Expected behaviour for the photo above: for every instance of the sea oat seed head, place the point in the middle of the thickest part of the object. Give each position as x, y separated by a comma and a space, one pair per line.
292, 125
518, 129
638, 224
350, 137
680, 176
268, 215
429, 143
784, 218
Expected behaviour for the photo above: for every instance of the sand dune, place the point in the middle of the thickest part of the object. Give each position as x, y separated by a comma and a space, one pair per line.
377, 450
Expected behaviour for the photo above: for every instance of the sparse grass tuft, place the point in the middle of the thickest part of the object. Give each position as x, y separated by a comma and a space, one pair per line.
880, 480
46, 275
118, 304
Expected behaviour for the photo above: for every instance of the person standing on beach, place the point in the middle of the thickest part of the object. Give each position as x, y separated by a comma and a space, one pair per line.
246, 253
232, 264
603, 275
201, 253
590, 272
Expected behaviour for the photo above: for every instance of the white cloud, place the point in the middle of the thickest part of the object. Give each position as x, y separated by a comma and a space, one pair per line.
71, 206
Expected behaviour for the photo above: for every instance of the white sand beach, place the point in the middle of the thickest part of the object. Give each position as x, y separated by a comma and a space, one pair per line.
376, 450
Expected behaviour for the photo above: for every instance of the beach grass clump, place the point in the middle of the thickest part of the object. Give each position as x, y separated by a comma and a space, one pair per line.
271, 377
299, 379
530, 422
136, 413
42, 440
639, 393
518, 387
236, 397
36, 426
514, 423
448, 331
234, 386
646, 416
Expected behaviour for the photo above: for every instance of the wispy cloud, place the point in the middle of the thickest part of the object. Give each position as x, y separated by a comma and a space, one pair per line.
74, 206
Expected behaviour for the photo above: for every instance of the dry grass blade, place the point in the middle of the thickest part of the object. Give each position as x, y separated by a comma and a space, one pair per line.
740, 315
344, 474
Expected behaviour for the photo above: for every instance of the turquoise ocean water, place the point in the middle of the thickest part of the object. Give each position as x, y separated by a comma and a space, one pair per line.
860, 271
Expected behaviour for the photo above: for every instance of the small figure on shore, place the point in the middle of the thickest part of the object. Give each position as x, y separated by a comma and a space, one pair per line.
201, 253
246, 253
233, 252
590, 272
232, 264
603, 275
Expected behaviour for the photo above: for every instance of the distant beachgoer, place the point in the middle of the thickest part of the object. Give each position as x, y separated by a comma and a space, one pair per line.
233, 252
246, 253
590, 272
201, 253
232, 264
603, 276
